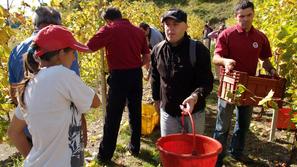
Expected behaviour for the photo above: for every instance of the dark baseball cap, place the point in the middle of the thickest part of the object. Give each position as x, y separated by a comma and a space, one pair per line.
175, 14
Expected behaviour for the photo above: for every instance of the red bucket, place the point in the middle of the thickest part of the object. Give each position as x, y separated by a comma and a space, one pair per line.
188, 150
283, 119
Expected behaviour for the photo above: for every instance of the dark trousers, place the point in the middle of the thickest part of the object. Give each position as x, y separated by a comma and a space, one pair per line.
125, 86
223, 123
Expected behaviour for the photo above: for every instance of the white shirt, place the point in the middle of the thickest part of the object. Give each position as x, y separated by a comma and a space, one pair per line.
55, 99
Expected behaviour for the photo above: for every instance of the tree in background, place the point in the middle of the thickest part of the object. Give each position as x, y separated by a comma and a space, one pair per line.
6, 32
83, 19
279, 22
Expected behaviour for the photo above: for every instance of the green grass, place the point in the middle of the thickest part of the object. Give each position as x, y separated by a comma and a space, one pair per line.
149, 155
15, 160
171, 2
94, 114
214, 11
212, 98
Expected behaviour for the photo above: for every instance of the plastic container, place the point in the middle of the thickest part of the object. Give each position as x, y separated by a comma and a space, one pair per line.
258, 86
149, 119
188, 150
283, 119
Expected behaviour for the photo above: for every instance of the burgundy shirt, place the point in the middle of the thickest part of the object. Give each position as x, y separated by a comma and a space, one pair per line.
124, 44
243, 47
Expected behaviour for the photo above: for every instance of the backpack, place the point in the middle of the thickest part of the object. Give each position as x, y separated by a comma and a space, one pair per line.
192, 50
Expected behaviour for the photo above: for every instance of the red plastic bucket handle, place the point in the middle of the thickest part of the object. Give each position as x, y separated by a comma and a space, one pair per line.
194, 152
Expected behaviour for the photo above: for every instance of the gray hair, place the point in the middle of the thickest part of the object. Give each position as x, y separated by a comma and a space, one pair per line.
46, 15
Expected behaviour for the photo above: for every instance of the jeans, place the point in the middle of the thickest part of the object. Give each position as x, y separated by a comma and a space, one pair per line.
172, 125
223, 123
125, 86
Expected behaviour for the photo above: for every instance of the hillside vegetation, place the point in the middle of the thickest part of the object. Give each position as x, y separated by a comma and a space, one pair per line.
277, 19
214, 11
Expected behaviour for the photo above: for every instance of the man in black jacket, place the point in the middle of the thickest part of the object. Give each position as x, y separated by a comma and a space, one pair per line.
178, 85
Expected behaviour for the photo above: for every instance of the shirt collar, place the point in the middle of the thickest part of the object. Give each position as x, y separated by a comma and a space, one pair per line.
119, 21
241, 30
182, 42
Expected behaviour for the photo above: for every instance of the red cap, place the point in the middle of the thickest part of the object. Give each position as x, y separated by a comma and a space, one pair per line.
55, 37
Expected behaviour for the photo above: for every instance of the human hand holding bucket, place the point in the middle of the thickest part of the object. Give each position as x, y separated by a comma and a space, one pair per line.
188, 104
188, 150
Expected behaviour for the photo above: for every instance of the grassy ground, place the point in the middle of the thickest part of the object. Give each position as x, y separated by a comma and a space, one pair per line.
258, 148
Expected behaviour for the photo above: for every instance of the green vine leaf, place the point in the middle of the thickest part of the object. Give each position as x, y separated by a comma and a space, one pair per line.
267, 98
240, 89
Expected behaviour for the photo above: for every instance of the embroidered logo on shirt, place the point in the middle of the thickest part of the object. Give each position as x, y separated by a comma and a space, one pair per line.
255, 45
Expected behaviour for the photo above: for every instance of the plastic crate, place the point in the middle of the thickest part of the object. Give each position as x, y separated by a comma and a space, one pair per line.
149, 118
283, 119
258, 85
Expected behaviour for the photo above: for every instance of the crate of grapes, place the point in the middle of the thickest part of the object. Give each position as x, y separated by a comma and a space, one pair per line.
255, 88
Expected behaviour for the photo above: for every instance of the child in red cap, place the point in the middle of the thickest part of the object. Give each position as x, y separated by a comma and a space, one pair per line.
52, 102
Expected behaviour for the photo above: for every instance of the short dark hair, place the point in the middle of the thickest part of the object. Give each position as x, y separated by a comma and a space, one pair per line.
144, 25
111, 13
46, 15
243, 4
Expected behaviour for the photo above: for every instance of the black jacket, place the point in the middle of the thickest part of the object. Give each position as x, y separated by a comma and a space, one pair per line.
174, 78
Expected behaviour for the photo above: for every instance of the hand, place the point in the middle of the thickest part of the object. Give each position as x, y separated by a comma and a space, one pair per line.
148, 75
146, 78
147, 66
189, 104
186, 109
157, 106
146, 60
229, 64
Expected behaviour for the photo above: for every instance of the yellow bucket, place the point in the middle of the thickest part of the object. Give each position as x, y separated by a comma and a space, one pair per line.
149, 118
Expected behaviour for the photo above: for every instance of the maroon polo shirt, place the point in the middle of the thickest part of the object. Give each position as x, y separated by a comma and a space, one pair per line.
243, 47
124, 44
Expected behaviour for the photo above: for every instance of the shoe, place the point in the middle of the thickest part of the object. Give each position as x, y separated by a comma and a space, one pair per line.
132, 151
103, 160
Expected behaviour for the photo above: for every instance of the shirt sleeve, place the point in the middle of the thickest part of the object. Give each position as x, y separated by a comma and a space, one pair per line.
145, 49
18, 113
266, 50
15, 62
77, 91
100, 39
204, 75
155, 76
221, 48
12, 68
